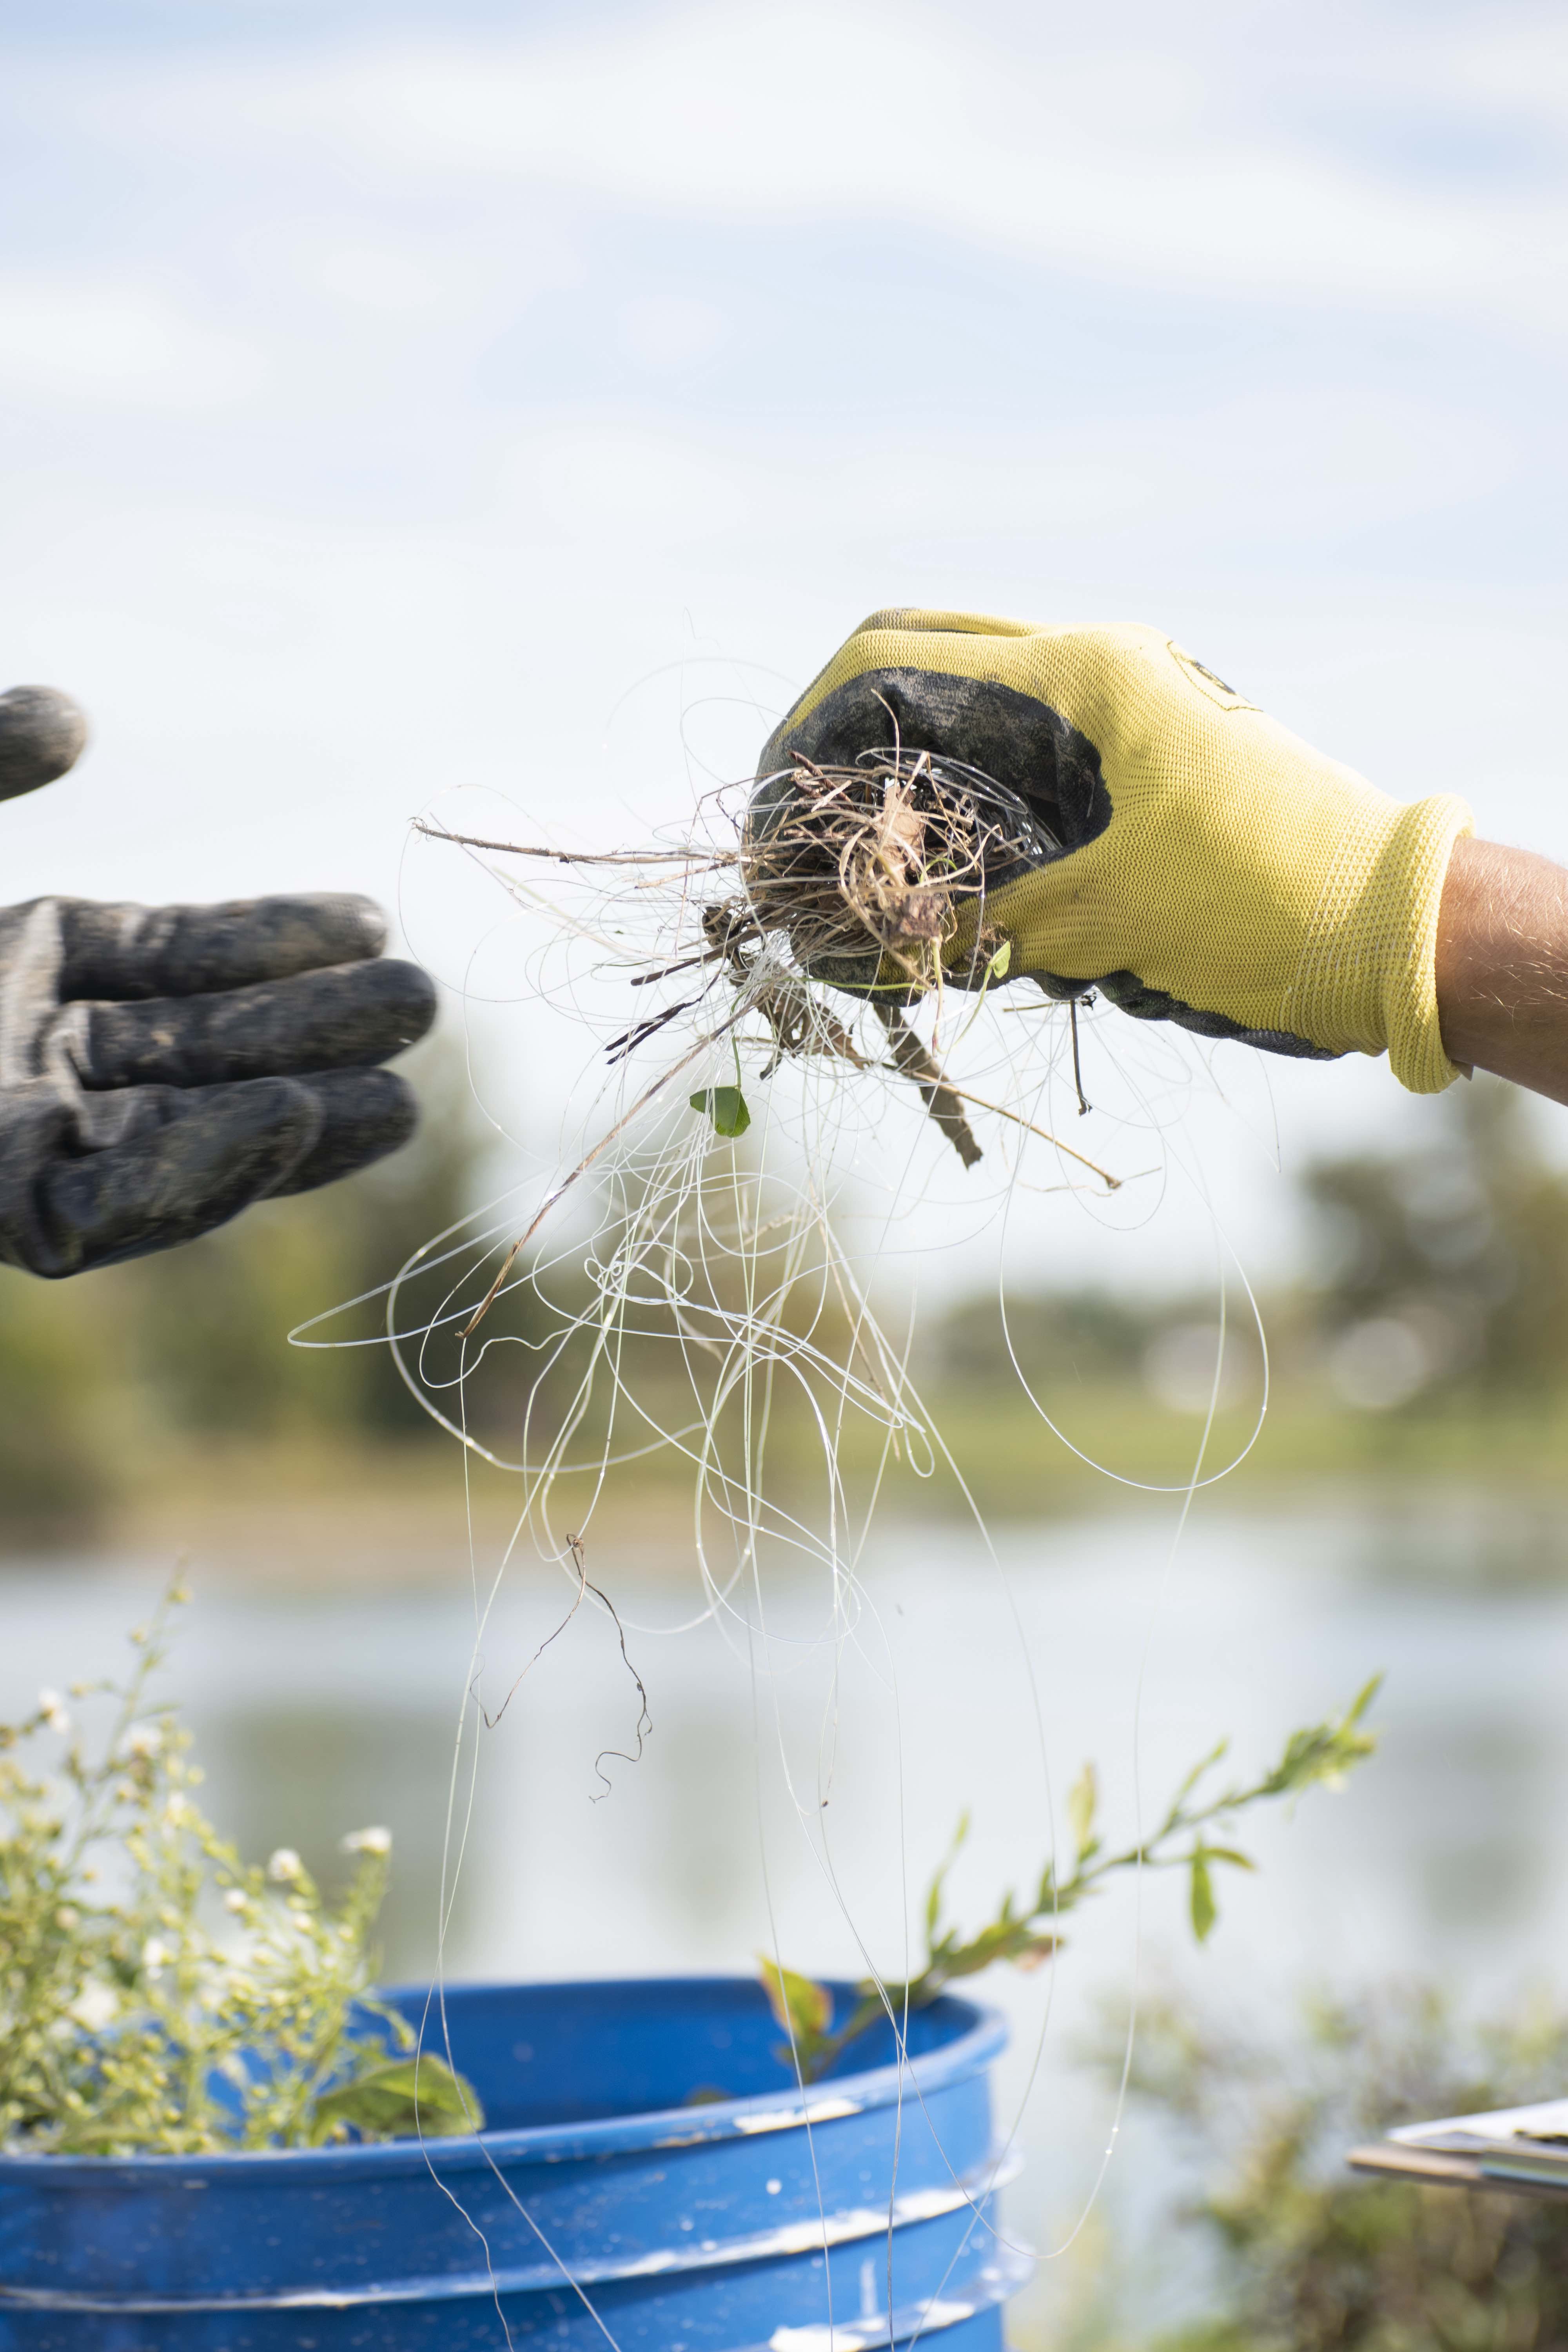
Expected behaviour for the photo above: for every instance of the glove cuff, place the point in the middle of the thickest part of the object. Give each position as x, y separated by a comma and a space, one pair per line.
1367, 978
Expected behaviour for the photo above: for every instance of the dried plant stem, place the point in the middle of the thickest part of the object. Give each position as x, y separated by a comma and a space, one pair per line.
701, 859
1113, 1183
941, 1100
1083, 1106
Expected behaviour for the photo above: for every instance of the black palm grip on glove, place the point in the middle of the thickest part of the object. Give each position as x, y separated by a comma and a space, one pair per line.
160, 1069
1013, 738
1020, 742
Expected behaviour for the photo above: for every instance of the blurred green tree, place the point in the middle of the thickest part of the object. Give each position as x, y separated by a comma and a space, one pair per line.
1084, 1335
1462, 1242
204, 1330
58, 1414
198, 1340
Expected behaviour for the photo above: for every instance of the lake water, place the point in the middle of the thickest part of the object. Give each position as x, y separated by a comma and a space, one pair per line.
814, 1782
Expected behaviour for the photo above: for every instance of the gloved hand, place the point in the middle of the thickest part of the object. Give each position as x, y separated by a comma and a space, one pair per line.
160, 1069
1219, 872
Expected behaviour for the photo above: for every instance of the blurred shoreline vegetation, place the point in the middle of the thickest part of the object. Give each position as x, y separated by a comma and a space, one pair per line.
143, 1371
1279, 2246
1426, 1347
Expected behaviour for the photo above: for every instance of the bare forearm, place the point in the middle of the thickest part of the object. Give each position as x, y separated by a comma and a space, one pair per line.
1502, 965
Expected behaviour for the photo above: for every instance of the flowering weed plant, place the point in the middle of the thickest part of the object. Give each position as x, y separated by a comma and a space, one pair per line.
157, 1995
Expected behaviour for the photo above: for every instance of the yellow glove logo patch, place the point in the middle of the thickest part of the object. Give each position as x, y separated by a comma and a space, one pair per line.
1207, 682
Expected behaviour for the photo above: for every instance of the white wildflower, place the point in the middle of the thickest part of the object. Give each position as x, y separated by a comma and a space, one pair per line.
156, 1955
67, 1917
284, 1865
234, 2070
372, 1841
95, 2005
51, 1706
145, 1738
237, 1899
177, 1809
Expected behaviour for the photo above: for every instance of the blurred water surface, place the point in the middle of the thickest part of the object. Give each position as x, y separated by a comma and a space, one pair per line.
803, 1784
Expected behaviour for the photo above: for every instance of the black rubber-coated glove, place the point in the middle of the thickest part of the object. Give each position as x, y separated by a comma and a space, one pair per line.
160, 1069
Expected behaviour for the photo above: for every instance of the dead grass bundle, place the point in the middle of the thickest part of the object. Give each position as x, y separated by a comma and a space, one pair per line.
863, 870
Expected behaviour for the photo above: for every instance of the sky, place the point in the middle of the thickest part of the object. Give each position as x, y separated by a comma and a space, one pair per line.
397, 399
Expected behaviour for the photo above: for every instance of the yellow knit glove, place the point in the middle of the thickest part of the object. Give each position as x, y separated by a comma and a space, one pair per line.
1222, 873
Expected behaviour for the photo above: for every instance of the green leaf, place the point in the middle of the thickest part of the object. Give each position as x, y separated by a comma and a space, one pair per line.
803, 2008
405, 2097
997, 967
1229, 1854
939, 1880
1205, 1764
1082, 1798
726, 1106
1363, 1701
1205, 1912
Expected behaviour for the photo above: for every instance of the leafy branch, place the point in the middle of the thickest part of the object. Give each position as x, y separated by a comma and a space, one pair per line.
1027, 1934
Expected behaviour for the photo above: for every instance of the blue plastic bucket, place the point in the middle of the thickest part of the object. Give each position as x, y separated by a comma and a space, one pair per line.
613, 2201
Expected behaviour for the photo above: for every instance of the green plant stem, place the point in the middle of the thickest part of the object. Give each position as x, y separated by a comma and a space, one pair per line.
1321, 1754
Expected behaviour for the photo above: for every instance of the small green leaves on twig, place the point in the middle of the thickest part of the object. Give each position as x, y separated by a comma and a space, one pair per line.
726, 1106
1326, 1752
1205, 1910
804, 2011
934, 1892
1322, 1754
1082, 1798
418, 2097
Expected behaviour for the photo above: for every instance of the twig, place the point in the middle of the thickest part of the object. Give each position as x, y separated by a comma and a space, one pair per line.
941, 1100
640, 1031
1113, 1183
582, 857
666, 971
1076, 1069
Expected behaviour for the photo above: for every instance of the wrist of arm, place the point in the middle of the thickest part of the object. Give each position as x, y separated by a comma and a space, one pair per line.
1502, 965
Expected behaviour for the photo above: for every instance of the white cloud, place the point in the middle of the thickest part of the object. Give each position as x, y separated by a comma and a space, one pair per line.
667, 332
121, 344
1293, 467
585, 481
1137, 165
391, 280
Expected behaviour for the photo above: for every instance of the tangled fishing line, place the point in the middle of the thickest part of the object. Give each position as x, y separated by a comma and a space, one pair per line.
830, 924
843, 898
818, 950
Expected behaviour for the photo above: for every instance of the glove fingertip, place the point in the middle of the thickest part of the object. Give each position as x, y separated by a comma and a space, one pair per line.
365, 1115
354, 926
419, 1000
42, 733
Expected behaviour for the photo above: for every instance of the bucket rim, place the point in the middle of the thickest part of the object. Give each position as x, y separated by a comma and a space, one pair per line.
980, 2035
